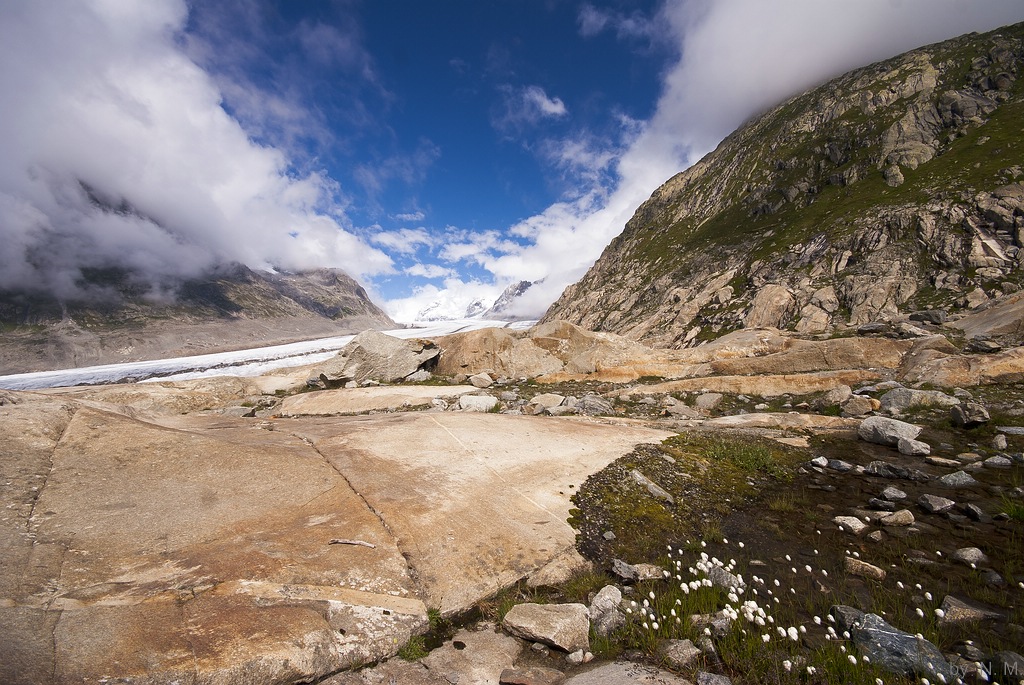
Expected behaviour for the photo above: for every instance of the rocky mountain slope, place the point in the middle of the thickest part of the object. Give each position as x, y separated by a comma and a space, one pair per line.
894, 188
232, 307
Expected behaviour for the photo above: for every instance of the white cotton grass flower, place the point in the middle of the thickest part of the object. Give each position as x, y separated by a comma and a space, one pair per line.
781, 631
811, 670
817, 620
879, 681
939, 613
920, 612
824, 573
741, 545
899, 584
788, 665
928, 596
852, 658
654, 626
765, 637
807, 567
725, 541
789, 558
793, 634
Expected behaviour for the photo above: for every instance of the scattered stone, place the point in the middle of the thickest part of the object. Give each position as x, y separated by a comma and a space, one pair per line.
858, 406
547, 400
999, 442
894, 650
633, 573
608, 535
959, 611
975, 512
839, 465
653, 488
532, 675
958, 479
913, 448
678, 654
719, 577
893, 494
1011, 430
970, 555
880, 430
707, 401
851, 524
594, 405
863, 569
968, 457
481, 380
820, 462
903, 517
998, 462
934, 504
719, 623
872, 327
566, 626
477, 402
881, 504
944, 463
876, 536
884, 469
836, 396
968, 415
706, 678
605, 616
576, 658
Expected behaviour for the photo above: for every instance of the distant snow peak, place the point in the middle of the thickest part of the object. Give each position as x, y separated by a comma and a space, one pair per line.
503, 307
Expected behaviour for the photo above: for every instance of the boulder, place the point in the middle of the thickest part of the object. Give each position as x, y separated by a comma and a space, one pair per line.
707, 401
899, 400
1007, 666
565, 626
884, 469
969, 556
892, 494
477, 402
605, 615
481, 380
934, 504
594, 405
372, 355
559, 570
851, 524
885, 431
913, 448
903, 517
857, 406
772, 306
958, 479
955, 610
863, 569
679, 654
968, 415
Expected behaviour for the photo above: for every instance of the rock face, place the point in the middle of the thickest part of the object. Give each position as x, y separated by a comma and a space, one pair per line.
566, 626
813, 215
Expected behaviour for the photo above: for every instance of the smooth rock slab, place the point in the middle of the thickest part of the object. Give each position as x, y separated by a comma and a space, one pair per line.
474, 656
566, 626
892, 494
531, 675
361, 400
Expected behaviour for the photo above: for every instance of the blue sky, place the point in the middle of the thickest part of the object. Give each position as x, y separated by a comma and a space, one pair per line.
437, 151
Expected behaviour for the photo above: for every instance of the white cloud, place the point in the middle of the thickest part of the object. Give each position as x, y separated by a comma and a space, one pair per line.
535, 97
429, 271
449, 301
593, 21
411, 216
404, 241
106, 97
522, 108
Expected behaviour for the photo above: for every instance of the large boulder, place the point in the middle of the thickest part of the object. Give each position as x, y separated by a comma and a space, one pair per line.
378, 357
899, 400
892, 649
884, 431
604, 611
565, 626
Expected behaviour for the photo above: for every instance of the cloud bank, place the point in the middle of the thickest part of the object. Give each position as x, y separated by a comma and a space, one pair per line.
118, 151
735, 58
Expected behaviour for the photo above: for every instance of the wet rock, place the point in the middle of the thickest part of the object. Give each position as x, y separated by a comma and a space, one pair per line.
678, 654
605, 616
863, 569
975, 512
968, 415
958, 479
881, 504
880, 430
970, 556
566, 626
913, 448
884, 469
955, 610
934, 504
896, 651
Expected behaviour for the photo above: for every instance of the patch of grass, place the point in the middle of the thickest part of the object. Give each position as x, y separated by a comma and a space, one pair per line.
582, 584
1013, 508
414, 649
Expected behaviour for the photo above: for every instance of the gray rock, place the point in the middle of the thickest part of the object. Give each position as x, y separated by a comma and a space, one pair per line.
998, 462
881, 504
851, 524
707, 678
884, 469
707, 401
839, 465
970, 555
1006, 667
653, 488
932, 316
593, 405
913, 448
419, 376
605, 616
934, 504
547, 400
566, 626
372, 355
719, 577
880, 430
900, 400
623, 570
944, 463
837, 395
999, 442
982, 346
898, 652
958, 479
968, 415
892, 494
959, 611
718, 623
481, 380
678, 654
857, 406
477, 402
872, 327
975, 512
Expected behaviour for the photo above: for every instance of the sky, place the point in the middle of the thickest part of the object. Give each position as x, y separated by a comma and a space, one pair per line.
436, 151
